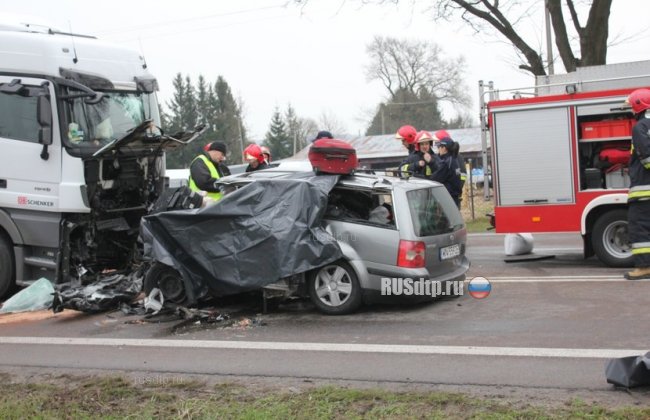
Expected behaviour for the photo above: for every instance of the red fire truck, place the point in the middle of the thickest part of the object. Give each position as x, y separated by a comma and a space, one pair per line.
559, 155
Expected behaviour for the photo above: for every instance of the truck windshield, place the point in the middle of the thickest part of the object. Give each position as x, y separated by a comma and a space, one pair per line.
94, 125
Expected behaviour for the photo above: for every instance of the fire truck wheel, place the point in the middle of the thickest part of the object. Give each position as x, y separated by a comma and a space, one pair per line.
168, 280
6, 266
609, 239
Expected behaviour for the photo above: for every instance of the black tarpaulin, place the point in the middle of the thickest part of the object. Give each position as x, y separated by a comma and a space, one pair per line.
254, 236
629, 372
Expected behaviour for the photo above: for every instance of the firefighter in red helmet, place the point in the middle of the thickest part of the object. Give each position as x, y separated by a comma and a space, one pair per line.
253, 155
407, 134
638, 199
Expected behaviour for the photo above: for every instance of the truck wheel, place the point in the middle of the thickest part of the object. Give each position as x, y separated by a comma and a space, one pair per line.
334, 288
7, 280
609, 239
168, 280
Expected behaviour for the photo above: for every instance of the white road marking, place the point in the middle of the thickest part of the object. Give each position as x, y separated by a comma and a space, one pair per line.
328, 347
557, 279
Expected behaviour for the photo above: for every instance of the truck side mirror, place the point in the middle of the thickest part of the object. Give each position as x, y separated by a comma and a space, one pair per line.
44, 117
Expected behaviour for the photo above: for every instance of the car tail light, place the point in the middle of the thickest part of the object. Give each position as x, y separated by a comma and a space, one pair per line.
411, 254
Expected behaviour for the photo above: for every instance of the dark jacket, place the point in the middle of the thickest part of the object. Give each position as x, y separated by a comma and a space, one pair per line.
426, 171
404, 166
261, 166
201, 174
640, 161
448, 174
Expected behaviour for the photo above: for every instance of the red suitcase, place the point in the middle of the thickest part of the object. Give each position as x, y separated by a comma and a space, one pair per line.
333, 157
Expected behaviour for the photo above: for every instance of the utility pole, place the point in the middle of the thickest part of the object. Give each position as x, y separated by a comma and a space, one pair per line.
549, 43
241, 138
383, 123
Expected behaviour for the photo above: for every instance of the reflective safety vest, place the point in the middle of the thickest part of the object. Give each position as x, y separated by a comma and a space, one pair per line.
213, 173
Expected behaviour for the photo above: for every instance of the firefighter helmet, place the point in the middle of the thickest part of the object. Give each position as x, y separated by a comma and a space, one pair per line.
253, 151
639, 100
423, 137
441, 134
406, 133
266, 151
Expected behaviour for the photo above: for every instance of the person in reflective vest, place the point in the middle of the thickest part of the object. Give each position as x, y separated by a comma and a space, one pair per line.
638, 199
206, 169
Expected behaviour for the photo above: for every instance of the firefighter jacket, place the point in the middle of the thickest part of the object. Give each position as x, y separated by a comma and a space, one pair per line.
412, 165
640, 161
203, 174
448, 174
404, 166
262, 165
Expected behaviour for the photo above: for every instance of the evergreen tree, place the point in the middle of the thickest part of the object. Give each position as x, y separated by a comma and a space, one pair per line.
277, 138
229, 127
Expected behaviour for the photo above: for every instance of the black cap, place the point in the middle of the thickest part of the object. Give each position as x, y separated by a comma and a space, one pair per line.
323, 135
218, 145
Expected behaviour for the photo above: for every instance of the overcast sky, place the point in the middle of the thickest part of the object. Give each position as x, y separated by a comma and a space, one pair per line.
312, 57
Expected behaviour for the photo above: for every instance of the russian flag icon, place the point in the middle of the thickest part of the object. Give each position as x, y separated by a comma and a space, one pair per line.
479, 288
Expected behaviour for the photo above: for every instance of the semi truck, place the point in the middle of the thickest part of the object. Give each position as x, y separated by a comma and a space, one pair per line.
82, 157
559, 153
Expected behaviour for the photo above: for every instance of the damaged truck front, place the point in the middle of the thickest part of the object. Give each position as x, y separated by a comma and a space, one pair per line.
81, 157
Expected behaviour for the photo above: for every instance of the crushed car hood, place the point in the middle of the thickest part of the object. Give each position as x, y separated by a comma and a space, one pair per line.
252, 237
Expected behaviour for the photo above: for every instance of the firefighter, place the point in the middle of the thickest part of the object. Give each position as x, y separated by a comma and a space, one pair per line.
253, 155
423, 163
266, 152
206, 169
407, 134
638, 198
447, 172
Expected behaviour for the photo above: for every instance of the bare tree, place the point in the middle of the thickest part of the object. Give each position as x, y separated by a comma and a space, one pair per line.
579, 42
330, 122
506, 17
413, 66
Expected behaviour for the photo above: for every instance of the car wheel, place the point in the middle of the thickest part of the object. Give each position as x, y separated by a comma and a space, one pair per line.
609, 239
335, 289
168, 280
7, 280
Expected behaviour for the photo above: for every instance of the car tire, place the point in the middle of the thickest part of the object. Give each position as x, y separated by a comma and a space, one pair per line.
168, 280
7, 280
610, 241
334, 288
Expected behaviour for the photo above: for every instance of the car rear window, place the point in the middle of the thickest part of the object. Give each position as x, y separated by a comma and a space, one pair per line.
433, 211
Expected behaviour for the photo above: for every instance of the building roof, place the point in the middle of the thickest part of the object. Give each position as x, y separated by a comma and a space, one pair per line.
382, 146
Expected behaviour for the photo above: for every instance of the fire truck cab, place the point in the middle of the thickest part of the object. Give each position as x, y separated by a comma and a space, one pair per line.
559, 156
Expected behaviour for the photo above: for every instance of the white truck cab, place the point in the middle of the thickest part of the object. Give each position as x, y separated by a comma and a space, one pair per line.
81, 154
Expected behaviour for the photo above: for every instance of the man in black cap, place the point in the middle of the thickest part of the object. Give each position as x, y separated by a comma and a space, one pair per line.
323, 135
207, 168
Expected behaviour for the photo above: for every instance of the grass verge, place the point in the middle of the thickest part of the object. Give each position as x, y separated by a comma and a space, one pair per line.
165, 397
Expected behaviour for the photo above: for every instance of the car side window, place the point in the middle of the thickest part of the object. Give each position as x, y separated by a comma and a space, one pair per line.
18, 117
360, 207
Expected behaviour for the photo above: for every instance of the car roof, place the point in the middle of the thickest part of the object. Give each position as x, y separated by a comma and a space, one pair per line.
362, 178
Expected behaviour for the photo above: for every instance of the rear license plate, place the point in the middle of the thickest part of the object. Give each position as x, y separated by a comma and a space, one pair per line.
449, 252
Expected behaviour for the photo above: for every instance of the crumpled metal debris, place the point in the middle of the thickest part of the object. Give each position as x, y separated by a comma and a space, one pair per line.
154, 302
104, 294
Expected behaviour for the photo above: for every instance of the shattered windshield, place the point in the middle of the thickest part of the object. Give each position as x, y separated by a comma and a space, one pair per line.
94, 125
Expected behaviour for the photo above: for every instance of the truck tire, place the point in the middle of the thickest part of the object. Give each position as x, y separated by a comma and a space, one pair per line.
334, 288
168, 280
609, 239
7, 280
